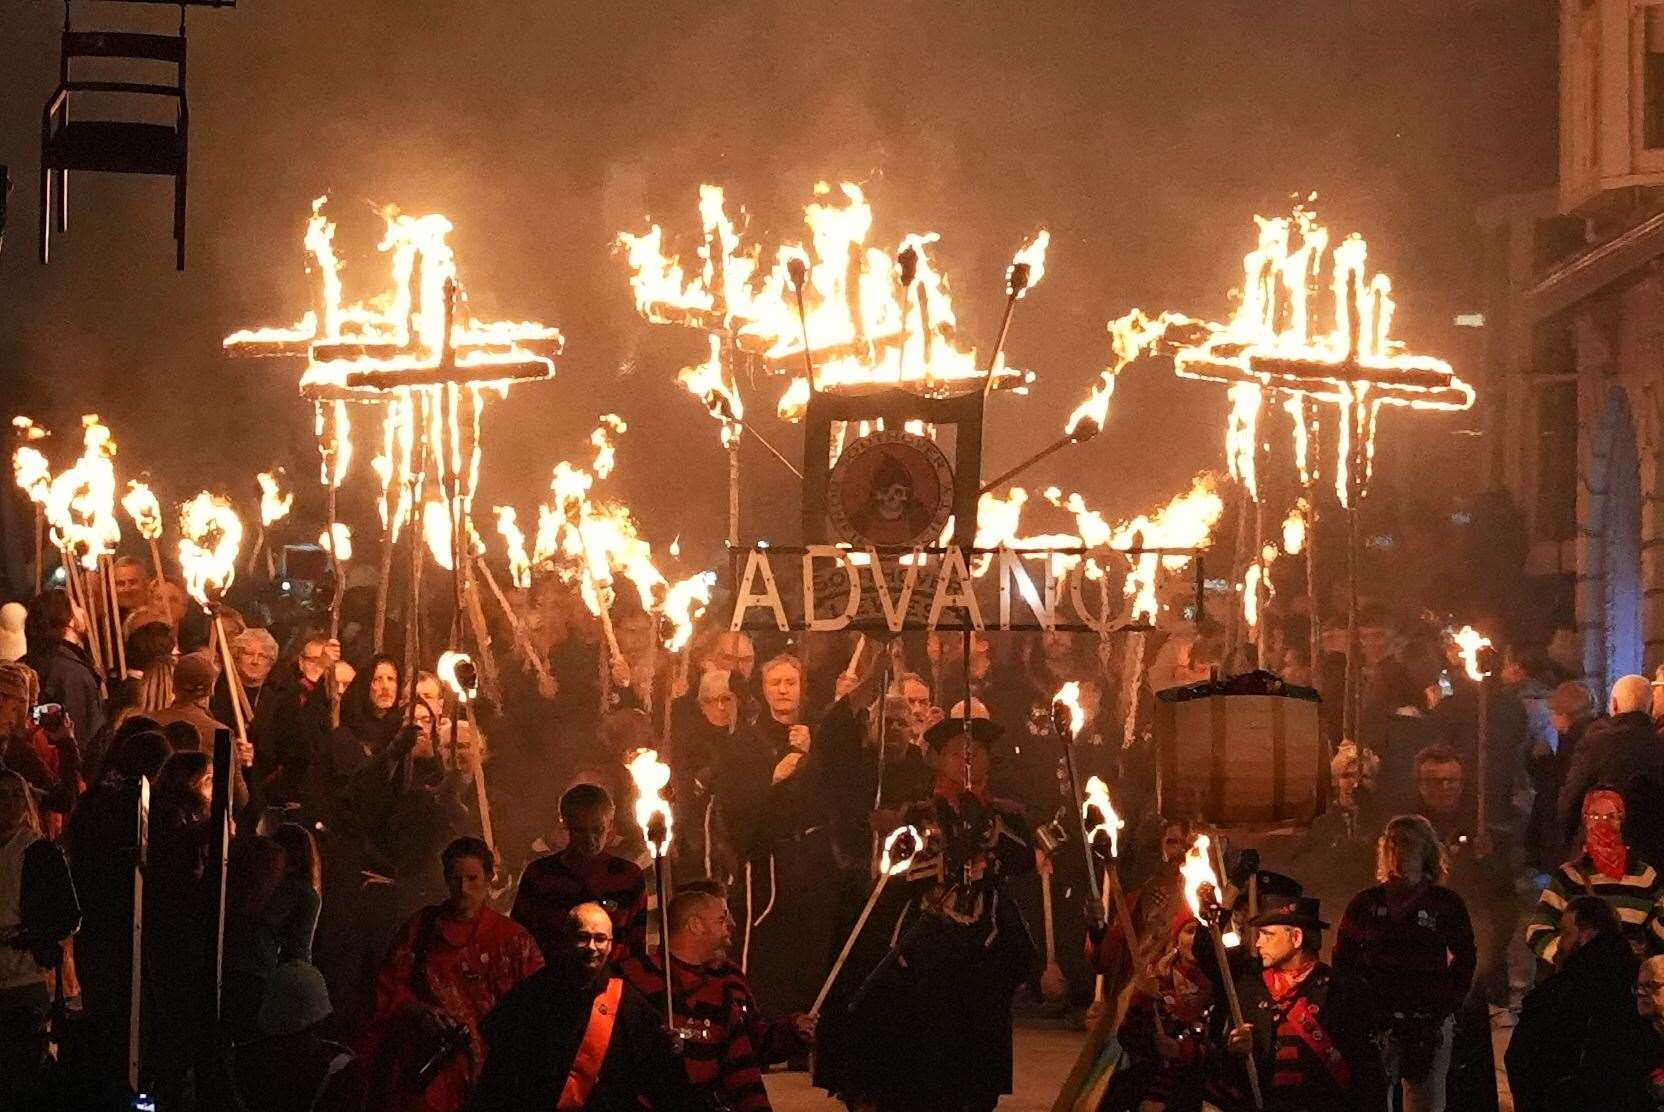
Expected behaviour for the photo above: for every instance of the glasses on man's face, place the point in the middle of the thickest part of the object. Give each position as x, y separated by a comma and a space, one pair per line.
1649, 988
586, 938
1603, 816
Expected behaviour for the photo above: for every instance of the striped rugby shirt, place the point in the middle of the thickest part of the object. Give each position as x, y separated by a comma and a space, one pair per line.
1637, 897
728, 1043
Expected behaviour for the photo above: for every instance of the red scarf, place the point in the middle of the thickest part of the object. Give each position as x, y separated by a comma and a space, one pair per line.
1604, 841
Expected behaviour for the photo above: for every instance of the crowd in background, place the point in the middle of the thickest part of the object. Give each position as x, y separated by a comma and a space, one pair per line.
370, 932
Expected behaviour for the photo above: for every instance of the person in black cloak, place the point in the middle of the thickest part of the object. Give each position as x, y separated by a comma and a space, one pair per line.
930, 1027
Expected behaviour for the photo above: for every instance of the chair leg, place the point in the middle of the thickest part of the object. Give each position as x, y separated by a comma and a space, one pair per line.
45, 212
179, 219
63, 200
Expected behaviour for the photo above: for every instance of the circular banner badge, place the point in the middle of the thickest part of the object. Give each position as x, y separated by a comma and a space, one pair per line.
890, 487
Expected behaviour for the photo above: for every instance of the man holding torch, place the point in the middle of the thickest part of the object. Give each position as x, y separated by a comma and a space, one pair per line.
933, 1020
1309, 1028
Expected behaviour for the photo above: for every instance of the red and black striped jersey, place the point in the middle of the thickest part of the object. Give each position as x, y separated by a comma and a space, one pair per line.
728, 1042
552, 886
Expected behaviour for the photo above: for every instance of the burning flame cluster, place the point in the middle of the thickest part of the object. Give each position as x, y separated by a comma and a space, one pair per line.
871, 316
1186, 521
1312, 322
141, 505
210, 535
402, 328
80, 500
592, 542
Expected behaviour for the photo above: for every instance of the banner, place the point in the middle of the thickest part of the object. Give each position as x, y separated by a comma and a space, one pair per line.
822, 588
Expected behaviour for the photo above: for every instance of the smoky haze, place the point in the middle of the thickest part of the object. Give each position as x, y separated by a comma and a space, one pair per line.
1145, 136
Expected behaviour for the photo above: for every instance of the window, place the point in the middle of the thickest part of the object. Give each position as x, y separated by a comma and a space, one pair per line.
1651, 47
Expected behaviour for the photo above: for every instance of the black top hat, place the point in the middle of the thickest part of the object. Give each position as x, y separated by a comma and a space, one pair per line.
984, 730
1271, 888
1302, 911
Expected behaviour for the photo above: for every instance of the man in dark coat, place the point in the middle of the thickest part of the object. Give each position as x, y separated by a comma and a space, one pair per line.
65, 670
931, 1027
534, 1036
1566, 1054
1308, 1027
1622, 751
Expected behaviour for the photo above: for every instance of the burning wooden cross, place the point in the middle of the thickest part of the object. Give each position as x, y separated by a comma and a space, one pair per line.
1273, 347
418, 348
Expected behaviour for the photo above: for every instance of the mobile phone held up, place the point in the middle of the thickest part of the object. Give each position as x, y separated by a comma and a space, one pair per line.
46, 713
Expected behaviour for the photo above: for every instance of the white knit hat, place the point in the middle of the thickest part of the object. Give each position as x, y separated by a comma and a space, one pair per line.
12, 643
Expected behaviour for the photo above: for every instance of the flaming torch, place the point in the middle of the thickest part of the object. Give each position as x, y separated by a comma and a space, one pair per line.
900, 848
1201, 892
651, 777
210, 536
141, 505
456, 670
1027, 267
33, 475
276, 500
1476, 652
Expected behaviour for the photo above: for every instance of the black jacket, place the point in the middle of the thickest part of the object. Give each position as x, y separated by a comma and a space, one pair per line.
67, 677
1567, 1052
533, 1035
1623, 752
1343, 1007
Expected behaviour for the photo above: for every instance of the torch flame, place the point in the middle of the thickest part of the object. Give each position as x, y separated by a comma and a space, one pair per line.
1196, 872
1033, 256
29, 464
1069, 696
80, 503
901, 845
1106, 820
450, 667
276, 499
711, 383
1470, 641
436, 530
141, 505
1294, 528
684, 604
605, 439
519, 564
340, 545
210, 533
651, 776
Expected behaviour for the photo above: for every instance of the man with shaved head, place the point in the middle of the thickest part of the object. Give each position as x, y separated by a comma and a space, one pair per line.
574, 1037
1624, 752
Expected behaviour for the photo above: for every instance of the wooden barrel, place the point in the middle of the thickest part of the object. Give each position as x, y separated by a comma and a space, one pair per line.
1242, 761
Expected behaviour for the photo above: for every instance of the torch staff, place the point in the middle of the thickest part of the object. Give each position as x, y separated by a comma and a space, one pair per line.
229, 666
1063, 724
1309, 416
1084, 429
112, 611
651, 777
900, 848
156, 559
514, 624
1231, 999
603, 607
330, 448
40, 545
1016, 284
798, 271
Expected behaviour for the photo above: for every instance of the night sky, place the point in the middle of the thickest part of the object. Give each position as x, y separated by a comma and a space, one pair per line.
1145, 136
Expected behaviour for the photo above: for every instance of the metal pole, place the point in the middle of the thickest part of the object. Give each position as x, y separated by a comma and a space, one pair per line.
1482, 759
1235, 1005
135, 1005
849, 943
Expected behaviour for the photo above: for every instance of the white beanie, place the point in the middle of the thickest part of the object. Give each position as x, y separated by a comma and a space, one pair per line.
714, 685
12, 643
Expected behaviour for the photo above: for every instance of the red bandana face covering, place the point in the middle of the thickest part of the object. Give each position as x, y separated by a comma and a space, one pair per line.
1604, 841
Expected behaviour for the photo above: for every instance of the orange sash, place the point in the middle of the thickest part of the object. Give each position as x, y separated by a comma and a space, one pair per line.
586, 1064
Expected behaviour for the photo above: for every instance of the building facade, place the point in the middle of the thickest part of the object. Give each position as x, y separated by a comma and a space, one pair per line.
1574, 306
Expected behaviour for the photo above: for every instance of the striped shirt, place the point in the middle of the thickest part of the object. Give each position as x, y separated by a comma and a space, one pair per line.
727, 1043
552, 886
1637, 897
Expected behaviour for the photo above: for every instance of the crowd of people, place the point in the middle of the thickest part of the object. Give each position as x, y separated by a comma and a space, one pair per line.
374, 943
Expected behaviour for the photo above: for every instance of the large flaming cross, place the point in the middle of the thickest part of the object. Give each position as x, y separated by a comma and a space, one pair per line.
1356, 367
416, 345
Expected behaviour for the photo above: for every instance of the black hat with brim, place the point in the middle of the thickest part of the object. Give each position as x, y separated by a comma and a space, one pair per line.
984, 730
1302, 911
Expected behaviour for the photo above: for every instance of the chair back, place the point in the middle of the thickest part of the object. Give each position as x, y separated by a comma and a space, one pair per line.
124, 44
